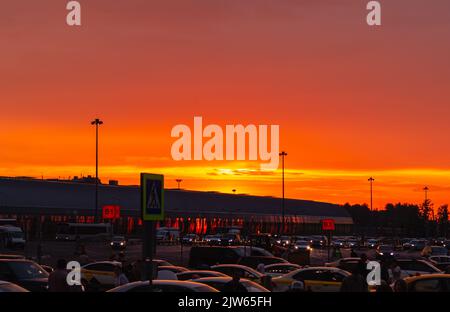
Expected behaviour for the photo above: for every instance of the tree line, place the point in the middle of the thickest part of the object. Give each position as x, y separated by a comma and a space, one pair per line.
401, 219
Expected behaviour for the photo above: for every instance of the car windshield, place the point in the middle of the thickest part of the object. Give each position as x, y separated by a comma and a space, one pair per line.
27, 270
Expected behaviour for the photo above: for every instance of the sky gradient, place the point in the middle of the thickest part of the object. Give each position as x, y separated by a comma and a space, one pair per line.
352, 101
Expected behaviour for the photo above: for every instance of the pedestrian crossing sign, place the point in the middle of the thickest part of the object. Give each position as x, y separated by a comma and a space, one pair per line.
152, 197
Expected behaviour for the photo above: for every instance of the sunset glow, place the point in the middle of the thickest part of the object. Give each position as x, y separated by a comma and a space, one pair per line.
351, 102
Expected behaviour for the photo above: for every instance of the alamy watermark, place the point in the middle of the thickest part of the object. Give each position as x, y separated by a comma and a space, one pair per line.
229, 144
73, 17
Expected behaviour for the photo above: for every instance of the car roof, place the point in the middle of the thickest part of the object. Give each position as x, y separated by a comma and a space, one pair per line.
239, 266
334, 269
17, 260
103, 262
425, 276
268, 266
167, 282
202, 271
223, 279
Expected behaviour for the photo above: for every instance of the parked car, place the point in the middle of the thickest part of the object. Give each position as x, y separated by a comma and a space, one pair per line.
302, 245
219, 283
279, 269
318, 241
230, 240
316, 279
385, 252
164, 286
10, 287
118, 243
195, 274
428, 283
12, 237
242, 270
25, 273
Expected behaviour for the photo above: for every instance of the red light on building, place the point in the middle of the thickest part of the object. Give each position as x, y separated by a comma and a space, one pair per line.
111, 212
328, 225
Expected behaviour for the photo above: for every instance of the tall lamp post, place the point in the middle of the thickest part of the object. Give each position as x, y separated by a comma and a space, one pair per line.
96, 122
179, 182
371, 179
282, 154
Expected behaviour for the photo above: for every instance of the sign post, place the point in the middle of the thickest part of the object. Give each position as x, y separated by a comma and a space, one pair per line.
328, 226
152, 205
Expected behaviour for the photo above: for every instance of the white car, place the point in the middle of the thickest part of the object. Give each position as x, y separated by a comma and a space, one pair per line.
302, 245
164, 286
101, 273
316, 279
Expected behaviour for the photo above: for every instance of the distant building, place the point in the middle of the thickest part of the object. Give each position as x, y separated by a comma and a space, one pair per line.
192, 211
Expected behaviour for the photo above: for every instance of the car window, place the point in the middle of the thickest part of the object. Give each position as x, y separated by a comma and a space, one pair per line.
422, 267
27, 270
308, 275
428, 285
333, 277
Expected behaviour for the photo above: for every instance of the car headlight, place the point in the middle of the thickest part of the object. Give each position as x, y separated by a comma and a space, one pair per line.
111, 243
288, 242
121, 243
381, 253
392, 253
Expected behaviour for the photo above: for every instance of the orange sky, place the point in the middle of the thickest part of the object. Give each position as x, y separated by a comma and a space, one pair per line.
351, 101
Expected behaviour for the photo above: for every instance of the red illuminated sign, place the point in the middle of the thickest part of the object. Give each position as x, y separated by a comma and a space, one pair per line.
111, 212
328, 225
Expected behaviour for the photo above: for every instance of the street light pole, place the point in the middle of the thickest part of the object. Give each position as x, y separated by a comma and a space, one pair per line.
371, 179
282, 154
178, 182
97, 122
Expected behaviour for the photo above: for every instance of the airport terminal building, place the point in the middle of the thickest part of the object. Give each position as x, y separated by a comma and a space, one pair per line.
46, 203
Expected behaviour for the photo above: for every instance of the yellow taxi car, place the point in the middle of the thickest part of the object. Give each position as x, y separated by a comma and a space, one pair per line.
428, 283
99, 273
316, 279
